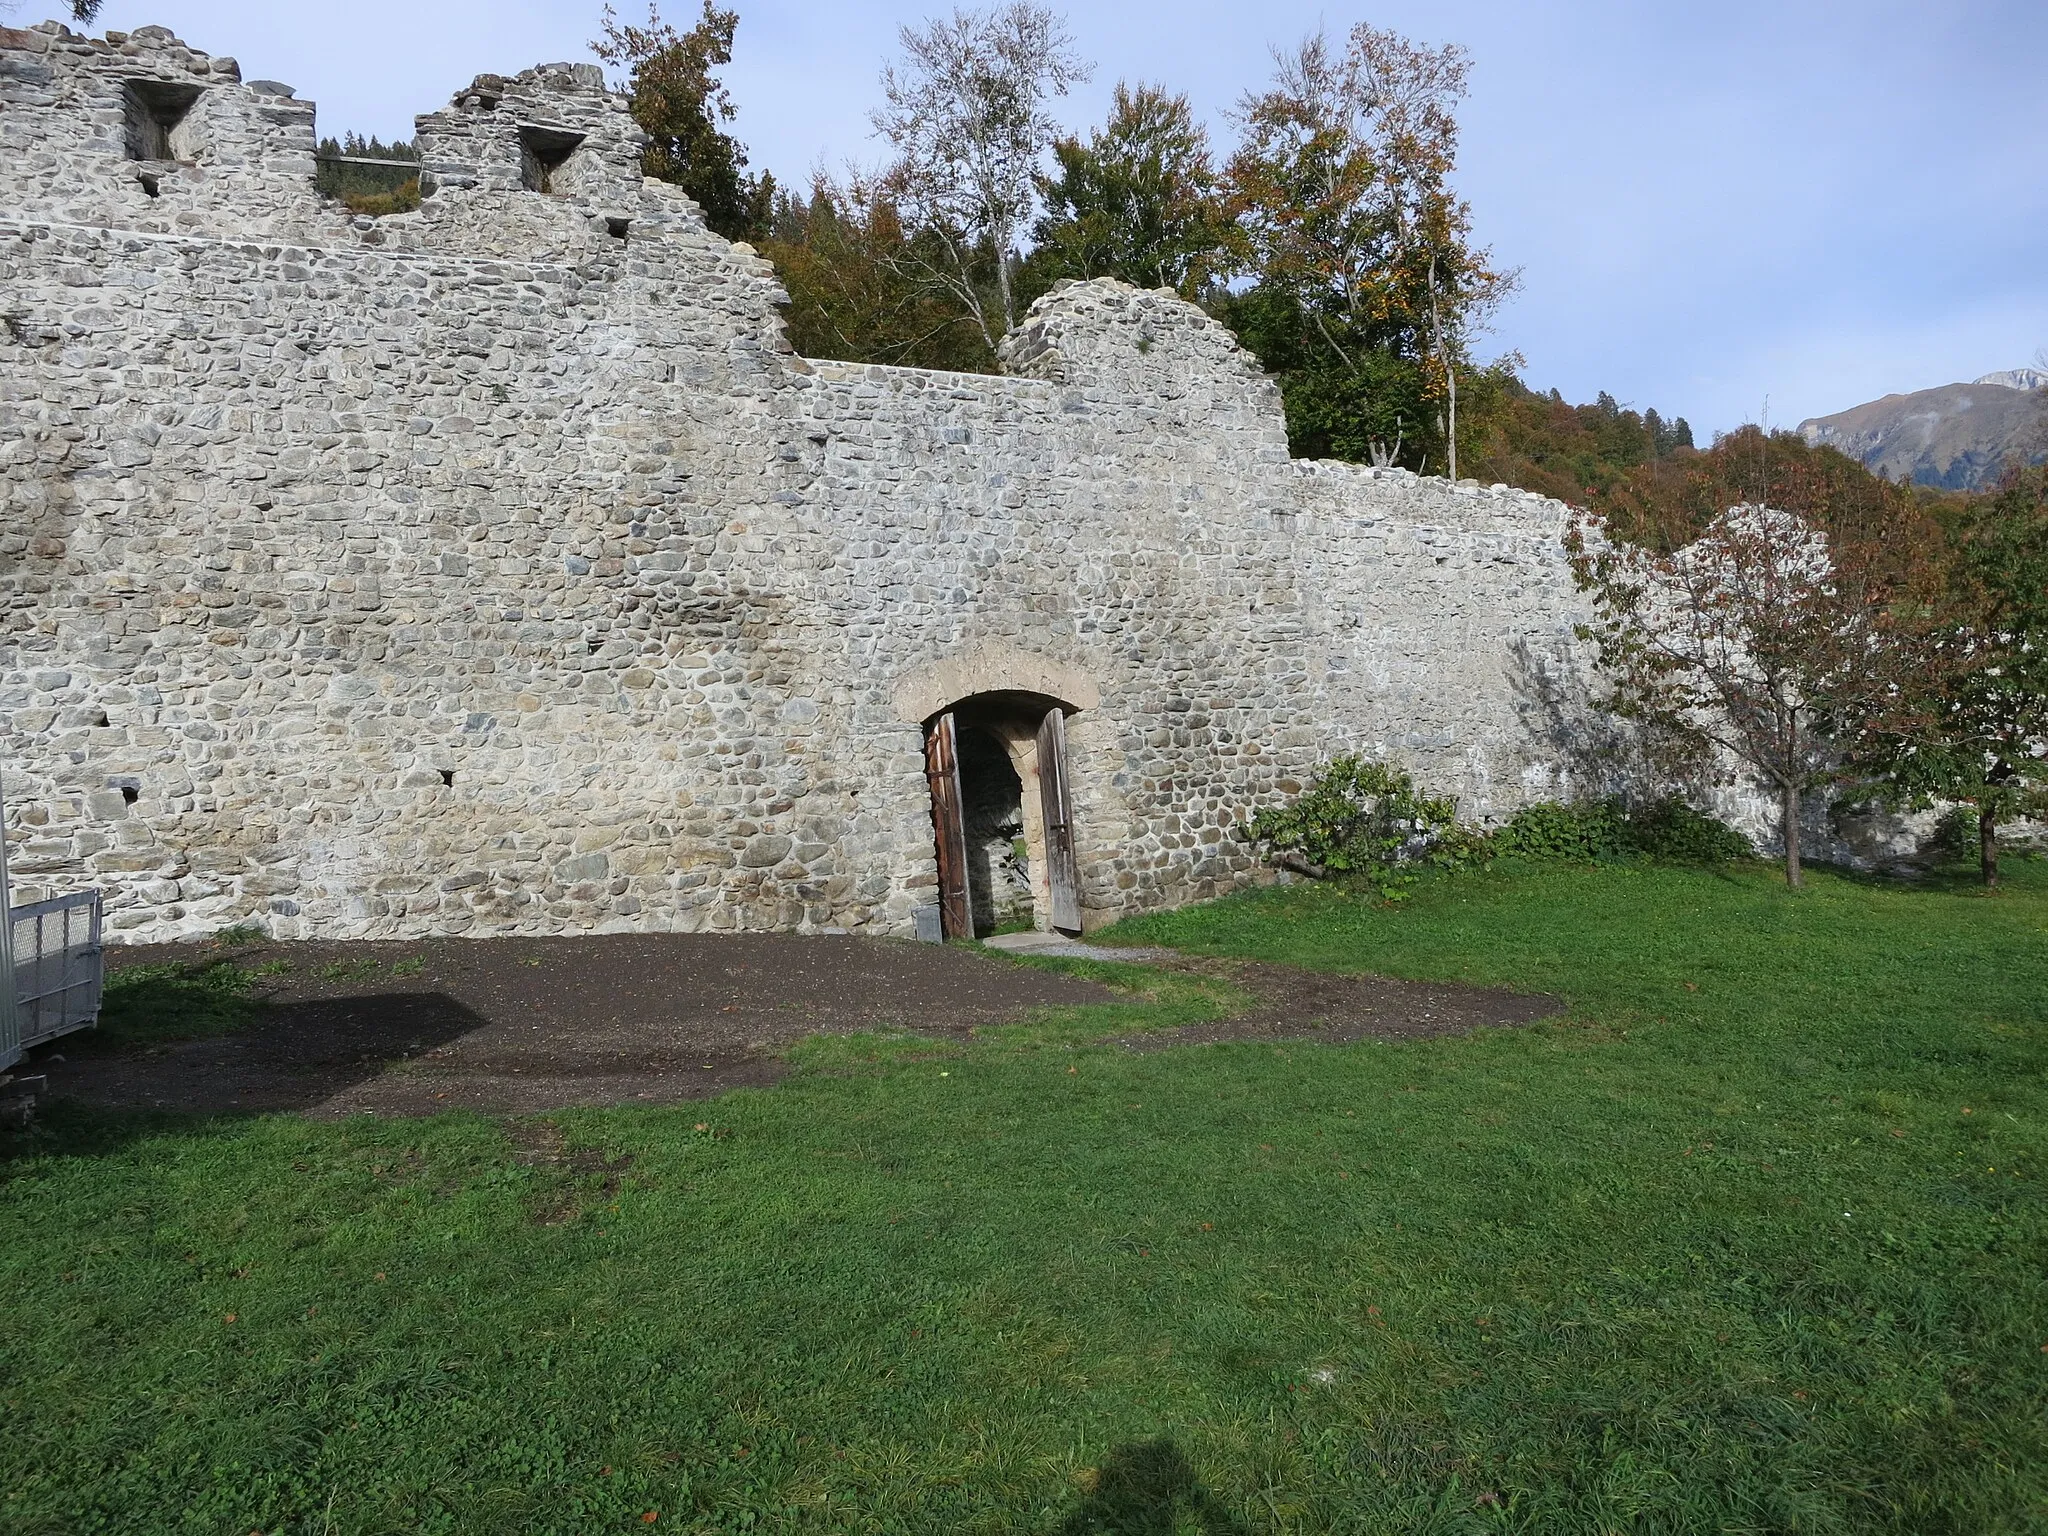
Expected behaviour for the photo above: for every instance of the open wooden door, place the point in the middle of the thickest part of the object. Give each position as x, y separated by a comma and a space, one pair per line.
1063, 874
942, 772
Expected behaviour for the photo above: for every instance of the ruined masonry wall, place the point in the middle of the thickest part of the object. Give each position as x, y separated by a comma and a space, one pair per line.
496, 568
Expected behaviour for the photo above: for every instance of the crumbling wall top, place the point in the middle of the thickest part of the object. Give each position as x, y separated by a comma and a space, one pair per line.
553, 128
1149, 345
140, 130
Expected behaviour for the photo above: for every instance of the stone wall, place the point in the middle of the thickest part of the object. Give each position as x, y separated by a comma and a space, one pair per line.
497, 568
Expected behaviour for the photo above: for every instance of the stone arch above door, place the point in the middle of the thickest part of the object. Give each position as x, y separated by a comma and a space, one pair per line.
990, 667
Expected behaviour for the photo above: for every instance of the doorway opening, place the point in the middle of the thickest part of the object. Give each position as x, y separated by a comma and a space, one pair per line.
999, 895
1002, 816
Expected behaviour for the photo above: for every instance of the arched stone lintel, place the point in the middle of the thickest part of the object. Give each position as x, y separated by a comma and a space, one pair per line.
990, 668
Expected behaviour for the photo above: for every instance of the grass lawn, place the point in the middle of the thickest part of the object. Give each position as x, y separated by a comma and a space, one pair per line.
1752, 1240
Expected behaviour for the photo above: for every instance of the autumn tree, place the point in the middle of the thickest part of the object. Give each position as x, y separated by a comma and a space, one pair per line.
860, 286
1668, 499
1767, 640
680, 104
1138, 200
1368, 284
1577, 453
1983, 741
966, 112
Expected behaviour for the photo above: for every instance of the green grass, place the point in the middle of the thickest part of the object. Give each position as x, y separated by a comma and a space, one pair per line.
179, 1000
1751, 1240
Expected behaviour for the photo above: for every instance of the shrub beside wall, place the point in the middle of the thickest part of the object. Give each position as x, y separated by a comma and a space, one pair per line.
1367, 821
1593, 830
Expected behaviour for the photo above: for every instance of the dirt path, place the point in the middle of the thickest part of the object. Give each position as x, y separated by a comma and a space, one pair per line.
519, 1025
516, 1026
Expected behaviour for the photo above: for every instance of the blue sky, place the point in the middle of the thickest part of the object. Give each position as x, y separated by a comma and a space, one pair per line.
1713, 203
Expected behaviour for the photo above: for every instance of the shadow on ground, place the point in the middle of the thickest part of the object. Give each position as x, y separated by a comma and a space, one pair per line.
1147, 1488
309, 1055
522, 1026
509, 1026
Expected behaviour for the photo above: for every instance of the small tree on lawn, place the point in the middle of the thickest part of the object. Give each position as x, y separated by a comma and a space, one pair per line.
1984, 742
1358, 817
1757, 639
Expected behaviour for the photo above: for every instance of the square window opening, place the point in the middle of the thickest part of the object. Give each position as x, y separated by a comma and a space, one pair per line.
158, 119
542, 153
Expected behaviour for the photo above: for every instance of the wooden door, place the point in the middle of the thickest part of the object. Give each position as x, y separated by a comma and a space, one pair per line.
1055, 787
942, 772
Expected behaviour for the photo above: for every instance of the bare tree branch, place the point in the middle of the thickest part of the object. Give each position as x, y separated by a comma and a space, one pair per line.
966, 112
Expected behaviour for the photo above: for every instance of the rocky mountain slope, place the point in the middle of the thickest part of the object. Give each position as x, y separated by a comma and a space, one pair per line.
1958, 437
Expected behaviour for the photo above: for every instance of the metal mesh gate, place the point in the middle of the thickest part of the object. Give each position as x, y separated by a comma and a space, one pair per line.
57, 966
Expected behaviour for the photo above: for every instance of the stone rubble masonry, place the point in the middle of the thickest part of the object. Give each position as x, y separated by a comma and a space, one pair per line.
497, 568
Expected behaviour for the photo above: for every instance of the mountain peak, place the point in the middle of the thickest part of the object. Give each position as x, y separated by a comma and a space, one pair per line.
2016, 378
1958, 437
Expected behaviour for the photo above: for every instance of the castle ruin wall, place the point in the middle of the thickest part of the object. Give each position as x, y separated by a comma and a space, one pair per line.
497, 568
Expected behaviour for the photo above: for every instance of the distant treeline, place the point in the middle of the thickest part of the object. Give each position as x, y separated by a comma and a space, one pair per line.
1328, 238
369, 188
1583, 454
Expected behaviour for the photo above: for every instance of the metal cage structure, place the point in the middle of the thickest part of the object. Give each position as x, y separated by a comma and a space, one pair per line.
51, 968
58, 971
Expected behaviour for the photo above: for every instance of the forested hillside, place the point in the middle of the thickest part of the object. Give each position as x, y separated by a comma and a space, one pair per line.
1327, 236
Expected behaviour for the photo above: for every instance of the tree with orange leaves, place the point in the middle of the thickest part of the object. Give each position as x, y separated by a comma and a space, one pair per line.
679, 103
1984, 742
1369, 285
863, 285
1778, 635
